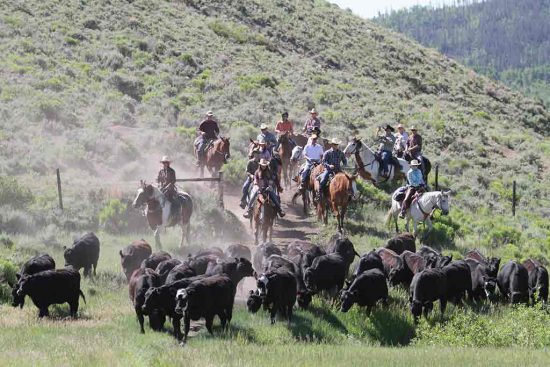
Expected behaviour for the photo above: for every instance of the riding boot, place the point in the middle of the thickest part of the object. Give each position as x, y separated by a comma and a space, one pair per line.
247, 213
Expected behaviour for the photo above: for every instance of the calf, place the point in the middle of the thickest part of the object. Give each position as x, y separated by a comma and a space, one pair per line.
83, 254
164, 268
261, 254
233, 251
133, 255
483, 285
179, 272
34, 265
513, 282
277, 288
427, 287
327, 272
402, 242
140, 282
155, 259
254, 301
206, 298
538, 280
394, 267
459, 281
51, 287
369, 287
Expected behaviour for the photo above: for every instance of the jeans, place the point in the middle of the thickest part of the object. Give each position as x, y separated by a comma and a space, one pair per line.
246, 188
272, 196
385, 157
323, 179
307, 171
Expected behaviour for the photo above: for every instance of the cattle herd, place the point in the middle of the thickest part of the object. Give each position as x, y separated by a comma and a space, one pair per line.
204, 284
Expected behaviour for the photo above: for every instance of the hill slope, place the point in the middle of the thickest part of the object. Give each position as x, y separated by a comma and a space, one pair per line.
501, 38
101, 89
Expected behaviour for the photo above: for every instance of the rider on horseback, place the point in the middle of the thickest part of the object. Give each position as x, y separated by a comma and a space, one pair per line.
268, 137
387, 142
251, 168
313, 153
209, 131
401, 137
313, 123
263, 151
283, 127
167, 183
331, 160
263, 182
416, 183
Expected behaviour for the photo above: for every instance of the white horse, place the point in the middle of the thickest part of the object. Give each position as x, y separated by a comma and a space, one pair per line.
421, 210
369, 167
295, 158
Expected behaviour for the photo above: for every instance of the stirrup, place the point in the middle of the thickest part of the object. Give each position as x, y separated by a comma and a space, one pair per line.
282, 214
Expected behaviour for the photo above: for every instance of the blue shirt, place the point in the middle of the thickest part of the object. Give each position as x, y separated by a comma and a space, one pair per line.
414, 176
268, 137
334, 157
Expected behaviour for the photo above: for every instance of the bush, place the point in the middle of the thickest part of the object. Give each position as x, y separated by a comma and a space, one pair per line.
7, 275
112, 216
12, 193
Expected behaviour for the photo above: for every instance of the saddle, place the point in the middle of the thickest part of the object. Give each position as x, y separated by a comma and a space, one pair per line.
175, 210
399, 194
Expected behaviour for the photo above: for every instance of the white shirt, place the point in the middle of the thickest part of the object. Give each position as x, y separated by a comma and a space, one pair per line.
313, 152
401, 140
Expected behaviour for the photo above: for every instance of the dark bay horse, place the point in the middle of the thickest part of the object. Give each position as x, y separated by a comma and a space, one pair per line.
320, 201
216, 156
159, 217
285, 152
341, 188
263, 218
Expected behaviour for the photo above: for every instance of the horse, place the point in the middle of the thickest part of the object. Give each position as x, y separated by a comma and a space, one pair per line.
421, 210
369, 167
159, 217
320, 201
263, 218
295, 158
285, 152
216, 156
340, 188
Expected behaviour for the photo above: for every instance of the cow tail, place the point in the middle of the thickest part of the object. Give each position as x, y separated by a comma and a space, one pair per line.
82, 295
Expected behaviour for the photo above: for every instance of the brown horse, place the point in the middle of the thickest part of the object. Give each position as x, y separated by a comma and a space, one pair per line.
301, 140
285, 151
216, 156
320, 201
341, 188
264, 217
159, 217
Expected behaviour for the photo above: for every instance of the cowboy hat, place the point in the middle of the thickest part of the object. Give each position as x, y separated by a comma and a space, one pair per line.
413, 128
415, 162
314, 136
389, 127
263, 126
399, 126
165, 159
335, 141
313, 111
264, 162
210, 113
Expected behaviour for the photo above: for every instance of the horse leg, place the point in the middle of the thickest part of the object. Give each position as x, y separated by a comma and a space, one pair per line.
430, 226
407, 223
395, 220
157, 238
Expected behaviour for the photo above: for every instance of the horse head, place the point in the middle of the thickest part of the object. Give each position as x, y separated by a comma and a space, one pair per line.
222, 147
443, 201
296, 153
144, 193
283, 138
252, 147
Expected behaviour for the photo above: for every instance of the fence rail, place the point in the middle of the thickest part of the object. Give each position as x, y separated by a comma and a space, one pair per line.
218, 179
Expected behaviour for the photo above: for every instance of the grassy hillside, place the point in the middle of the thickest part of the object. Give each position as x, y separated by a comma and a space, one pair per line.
504, 39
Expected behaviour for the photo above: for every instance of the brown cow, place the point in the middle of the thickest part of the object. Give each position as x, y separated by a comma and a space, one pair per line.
402, 242
133, 255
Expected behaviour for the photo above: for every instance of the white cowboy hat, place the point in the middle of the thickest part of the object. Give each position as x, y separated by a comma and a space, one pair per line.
336, 141
263, 126
313, 110
413, 128
264, 162
210, 113
165, 159
415, 162
262, 142
314, 136
399, 126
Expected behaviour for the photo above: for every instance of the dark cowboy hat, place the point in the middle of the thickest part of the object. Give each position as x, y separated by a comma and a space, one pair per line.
389, 127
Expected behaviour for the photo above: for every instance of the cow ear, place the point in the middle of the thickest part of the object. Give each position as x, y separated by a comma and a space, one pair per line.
120, 253
451, 257
11, 284
64, 247
18, 276
251, 292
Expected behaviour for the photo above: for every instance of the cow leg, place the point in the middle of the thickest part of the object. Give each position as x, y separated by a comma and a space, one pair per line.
273, 313
176, 324
87, 270
73, 308
223, 320
369, 309
186, 324
428, 307
95, 268
43, 312
141, 319
442, 305
209, 322
289, 314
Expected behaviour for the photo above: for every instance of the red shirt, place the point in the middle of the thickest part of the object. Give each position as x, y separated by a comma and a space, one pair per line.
284, 126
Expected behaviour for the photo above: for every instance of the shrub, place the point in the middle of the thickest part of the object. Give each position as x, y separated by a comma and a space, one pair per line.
7, 276
112, 216
14, 194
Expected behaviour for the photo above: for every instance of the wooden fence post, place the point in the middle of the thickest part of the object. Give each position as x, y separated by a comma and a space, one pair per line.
514, 199
220, 189
437, 177
59, 189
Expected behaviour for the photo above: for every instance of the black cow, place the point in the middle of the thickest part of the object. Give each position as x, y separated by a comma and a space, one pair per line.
538, 280
492, 264
212, 251
483, 285
345, 248
163, 299
83, 254
133, 255
155, 259
206, 298
328, 272
427, 287
34, 265
513, 282
235, 269
368, 288
433, 258
179, 272
275, 262
261, 254
402, 242
233, 251
277, 288
164, 268
459, 281
367, 262
51, 287
254, 301
140, 282
201, 263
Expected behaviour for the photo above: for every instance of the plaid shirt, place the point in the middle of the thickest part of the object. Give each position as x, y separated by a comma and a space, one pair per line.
334, 157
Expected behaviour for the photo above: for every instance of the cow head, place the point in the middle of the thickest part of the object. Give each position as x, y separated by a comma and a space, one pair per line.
244, 267
416, 310
254, 301
19, 291
310, 280
398, 272
262, 284
69, 256
345, 248
493, 264
490, 287
181, 301
151, 300
304, 298
348, 299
